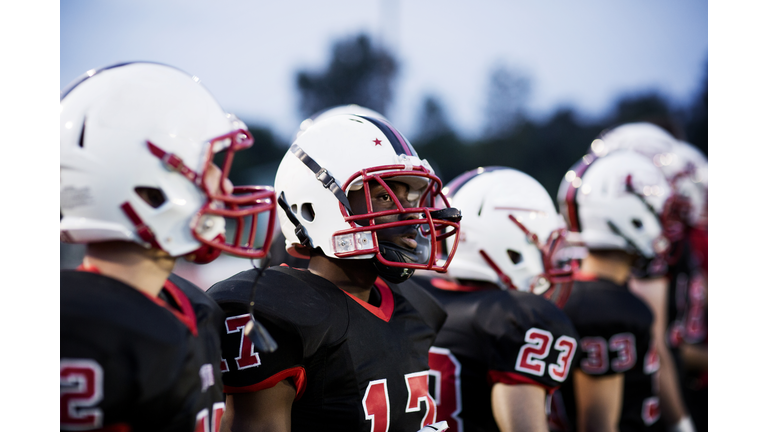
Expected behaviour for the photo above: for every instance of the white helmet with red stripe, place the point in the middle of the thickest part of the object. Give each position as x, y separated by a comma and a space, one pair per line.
510, 232
615, 202
677, 160
694, 181
346, 153
136, 141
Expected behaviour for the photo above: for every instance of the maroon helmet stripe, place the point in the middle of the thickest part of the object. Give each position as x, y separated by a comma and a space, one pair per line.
570, 197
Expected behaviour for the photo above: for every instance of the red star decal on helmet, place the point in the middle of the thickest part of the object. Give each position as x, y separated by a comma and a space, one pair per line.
377, 142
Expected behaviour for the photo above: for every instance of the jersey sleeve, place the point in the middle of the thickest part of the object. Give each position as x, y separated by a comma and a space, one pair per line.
531, 340
244, 369
289, 305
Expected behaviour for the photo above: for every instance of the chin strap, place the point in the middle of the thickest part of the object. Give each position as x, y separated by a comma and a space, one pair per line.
322, 176
506, 280
300, 231
255, 331
142, 230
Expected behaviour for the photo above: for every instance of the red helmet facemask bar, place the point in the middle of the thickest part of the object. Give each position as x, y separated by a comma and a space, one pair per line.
243, 204
435, 224
560, 278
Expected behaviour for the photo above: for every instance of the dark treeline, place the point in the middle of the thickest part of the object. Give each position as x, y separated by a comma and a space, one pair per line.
361, 72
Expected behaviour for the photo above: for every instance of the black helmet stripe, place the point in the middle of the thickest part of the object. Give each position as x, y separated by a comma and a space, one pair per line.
399, 143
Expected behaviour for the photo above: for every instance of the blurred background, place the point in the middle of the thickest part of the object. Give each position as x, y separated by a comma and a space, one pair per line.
522, 84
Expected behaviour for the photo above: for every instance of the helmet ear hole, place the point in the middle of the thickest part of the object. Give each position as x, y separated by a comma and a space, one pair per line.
307, 212
515, 256
637, 223
152, 196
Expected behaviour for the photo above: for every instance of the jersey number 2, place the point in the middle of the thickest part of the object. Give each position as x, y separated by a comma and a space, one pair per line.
81, 391
531, 357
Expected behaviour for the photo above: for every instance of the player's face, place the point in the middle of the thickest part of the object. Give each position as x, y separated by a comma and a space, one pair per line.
381, 200
212, 181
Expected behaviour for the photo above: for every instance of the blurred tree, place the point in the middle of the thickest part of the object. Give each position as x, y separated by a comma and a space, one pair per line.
358, 73
647, 107
563, 138
508, 92
433, 121
435, 139
257, 164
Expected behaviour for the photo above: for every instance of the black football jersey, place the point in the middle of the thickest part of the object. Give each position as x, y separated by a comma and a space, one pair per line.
130, 362
494, 336
687, 301
355, 366
614, 327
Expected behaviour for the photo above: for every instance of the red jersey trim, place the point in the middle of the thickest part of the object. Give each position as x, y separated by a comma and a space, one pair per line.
383, 312
447, 285
186, 315
297, 374
118, 427
511, 378
581, 276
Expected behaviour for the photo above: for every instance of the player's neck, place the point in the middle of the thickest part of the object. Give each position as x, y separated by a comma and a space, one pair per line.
143, 269
607, 267
356, 277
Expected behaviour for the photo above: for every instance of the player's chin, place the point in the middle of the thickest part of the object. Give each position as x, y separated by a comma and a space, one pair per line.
405, 238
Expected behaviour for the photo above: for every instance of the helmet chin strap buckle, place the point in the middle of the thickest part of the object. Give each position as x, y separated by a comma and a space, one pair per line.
301, 234
325, 178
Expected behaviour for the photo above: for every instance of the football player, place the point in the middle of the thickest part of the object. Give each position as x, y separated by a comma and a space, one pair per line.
356, 200
613, 203
687, 308
505, 344
278, 253
140, 347
665, 284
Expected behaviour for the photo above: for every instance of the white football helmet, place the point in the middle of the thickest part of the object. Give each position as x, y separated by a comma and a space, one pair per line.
334, 111
693, 181
149, 130
645, 138
510, 233
666, 153
350, 152
615, 202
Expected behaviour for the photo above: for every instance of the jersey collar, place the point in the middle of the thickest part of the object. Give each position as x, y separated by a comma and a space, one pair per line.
383, 312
